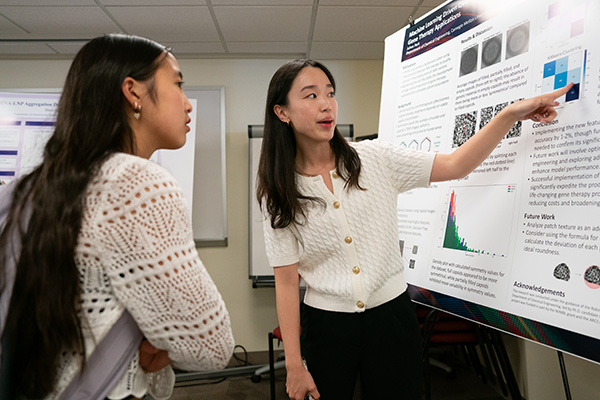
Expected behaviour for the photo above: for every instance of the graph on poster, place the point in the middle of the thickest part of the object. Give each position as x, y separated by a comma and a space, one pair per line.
558, 73
473, 210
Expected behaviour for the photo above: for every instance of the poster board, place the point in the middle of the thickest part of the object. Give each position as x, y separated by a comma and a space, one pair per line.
27, 122
515, 245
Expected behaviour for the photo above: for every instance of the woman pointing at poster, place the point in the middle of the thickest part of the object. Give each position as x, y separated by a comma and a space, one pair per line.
330, 218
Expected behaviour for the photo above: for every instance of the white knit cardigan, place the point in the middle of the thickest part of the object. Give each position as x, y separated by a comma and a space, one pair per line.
136, 252
348, 251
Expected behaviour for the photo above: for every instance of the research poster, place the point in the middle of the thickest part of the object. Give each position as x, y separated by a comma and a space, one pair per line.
26, 124
27, 121
521, 233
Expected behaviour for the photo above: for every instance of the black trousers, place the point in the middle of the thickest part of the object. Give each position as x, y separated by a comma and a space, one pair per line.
382, 346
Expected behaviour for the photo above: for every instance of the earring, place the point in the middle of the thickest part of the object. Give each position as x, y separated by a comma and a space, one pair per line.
137, 108
289, 123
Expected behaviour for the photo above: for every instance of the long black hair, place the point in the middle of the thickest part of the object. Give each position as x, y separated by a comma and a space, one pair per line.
91, 124
276, 182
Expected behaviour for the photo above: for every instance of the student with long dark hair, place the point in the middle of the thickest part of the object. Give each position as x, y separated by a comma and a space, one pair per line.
102, 229
330, 218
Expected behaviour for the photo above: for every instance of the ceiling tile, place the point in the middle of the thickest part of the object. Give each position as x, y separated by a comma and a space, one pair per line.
66, 47
153, 2
421, 11
347, 50
164, 24
432, 3
262, 2
8, 29
244, 28
48, 3
371, 3
264, 24
25, 48
362, 24
195, 47
267, 47
57, 22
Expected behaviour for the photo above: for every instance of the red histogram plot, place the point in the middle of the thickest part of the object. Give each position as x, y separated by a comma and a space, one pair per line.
479, 219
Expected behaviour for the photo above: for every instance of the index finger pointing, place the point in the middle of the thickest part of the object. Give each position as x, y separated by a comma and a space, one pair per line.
562, 91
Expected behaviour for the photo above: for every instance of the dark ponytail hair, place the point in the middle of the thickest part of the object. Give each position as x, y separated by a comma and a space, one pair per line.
276, 182
91, 124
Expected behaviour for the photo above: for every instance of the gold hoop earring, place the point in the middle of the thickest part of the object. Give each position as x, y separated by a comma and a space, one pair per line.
137, 108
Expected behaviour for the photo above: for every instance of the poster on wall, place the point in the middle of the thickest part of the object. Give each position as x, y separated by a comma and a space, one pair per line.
27, 121
514, 245
26, 124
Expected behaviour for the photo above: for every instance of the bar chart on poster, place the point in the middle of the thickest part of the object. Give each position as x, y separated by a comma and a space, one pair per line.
514, 245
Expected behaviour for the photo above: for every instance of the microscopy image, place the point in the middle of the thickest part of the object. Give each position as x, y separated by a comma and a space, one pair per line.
468, 60
515, 130
592, 277
487, 113
517, 40
491, 51
465, 126
562, 271
499, 107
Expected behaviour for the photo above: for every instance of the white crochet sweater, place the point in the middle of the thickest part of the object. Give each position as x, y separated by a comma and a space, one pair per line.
348, 251
136, 252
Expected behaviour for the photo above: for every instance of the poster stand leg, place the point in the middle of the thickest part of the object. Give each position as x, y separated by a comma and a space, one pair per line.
507, 370
563, 371
488, 350
271, 365
428, 330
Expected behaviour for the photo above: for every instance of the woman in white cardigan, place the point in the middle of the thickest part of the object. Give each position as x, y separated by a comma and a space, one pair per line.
330, 218
109, 230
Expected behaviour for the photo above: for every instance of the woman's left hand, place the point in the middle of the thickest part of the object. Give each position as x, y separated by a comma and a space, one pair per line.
539, 108
151, 358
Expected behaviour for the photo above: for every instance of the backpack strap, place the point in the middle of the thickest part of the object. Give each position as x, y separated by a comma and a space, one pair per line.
108, 361
8, 351
14, 248
7, 378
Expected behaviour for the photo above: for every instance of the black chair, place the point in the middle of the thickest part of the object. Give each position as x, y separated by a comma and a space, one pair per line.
442, 329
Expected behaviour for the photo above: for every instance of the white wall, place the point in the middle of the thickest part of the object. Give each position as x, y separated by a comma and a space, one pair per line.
538, 372
253, 310
359, 83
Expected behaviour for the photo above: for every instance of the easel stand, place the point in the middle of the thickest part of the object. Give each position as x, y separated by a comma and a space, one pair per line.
507, 371
563, 371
